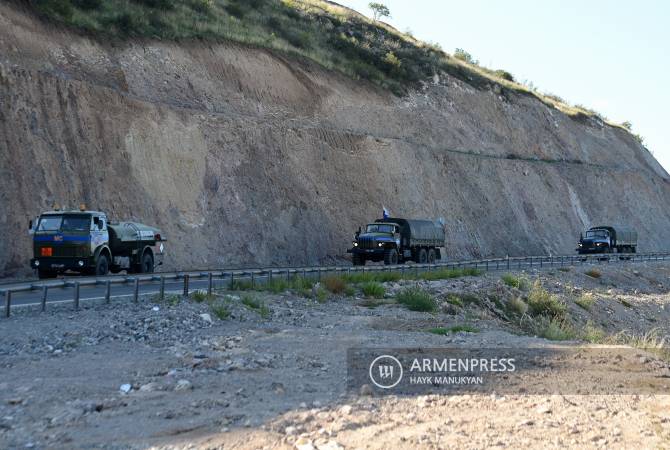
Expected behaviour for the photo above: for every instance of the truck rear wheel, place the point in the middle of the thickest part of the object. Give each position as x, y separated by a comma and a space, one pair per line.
423, 256
102, 266
391, 256
431, 256
147, 263
358, 260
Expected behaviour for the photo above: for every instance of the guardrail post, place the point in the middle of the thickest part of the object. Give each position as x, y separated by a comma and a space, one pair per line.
108, 291
44, 297
76, 295
136, 290
252, 279
8, 302
162, 289
508, 263
319, 273
209, 283
186, 285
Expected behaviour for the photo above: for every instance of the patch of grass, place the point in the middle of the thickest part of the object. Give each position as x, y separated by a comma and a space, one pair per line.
517, 307
257, 305
455, 329
241, 285
653, 341
417, 299
586, 301
336, 285
593, 334
444, 274
220, 310
302, 283
593, 273
552, 328
321, 295
371, 303
455, 300
372, 289
276, 286
201, 296
169, 299
564, 269
515, 281
349, 291
542, 303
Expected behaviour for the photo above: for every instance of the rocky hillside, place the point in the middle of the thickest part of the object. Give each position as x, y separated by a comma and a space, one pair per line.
244, 155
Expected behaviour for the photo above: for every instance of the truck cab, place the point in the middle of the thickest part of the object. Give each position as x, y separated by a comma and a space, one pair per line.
68, 240
596, 240
378, 239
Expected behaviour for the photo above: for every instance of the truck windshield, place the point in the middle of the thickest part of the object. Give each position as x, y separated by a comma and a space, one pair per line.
597, 234
380, 228
78, 222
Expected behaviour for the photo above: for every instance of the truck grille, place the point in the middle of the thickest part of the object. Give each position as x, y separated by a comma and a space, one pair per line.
366, 242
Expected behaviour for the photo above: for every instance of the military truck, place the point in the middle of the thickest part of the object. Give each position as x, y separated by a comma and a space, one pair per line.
396, 240
607, 239
86, 242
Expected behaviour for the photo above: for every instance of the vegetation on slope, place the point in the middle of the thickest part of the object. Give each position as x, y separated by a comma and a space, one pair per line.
333, 36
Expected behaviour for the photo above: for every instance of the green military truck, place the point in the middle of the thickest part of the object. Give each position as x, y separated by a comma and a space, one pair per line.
607, 239
86, 242
396, 240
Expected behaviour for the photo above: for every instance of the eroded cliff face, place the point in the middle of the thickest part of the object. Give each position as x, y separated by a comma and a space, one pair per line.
246, 157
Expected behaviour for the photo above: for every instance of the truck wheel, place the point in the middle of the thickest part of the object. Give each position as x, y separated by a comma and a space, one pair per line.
102, 266
44, 274
358, 260
147, 263
431, 256
391, 256
423, 256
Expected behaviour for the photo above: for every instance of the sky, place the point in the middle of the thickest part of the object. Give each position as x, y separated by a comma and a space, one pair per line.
611, 56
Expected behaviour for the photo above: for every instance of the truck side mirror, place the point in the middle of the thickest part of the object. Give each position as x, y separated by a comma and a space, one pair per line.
100, 224
30, 225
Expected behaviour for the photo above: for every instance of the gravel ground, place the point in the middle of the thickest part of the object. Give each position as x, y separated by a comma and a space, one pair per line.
174, 375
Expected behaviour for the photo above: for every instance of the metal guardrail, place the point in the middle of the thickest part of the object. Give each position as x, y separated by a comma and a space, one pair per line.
491, 264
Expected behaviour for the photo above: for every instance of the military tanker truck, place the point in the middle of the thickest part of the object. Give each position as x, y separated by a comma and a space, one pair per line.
86, 242
607, 239
396, 241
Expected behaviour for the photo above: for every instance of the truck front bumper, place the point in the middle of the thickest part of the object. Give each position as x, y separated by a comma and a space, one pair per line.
592, 250
60, 264
377, 252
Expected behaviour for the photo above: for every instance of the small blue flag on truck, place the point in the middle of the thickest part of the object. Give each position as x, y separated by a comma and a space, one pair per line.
385, 213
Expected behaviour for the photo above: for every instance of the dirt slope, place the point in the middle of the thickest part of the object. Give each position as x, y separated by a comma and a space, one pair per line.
246, 157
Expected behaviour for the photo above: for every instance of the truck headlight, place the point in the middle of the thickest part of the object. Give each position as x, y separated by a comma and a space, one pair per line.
355, 244
380, 244
81, 263
37, 263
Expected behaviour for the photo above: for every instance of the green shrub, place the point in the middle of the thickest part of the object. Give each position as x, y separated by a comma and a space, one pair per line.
445, 274
220, 310
555, 330
417, 299
593, 273
455, 300
241, 285
515, 282
200, 296
276, 286
372, 289
542, 303
349, 291
321, 295
454, 329
592, 333
586, 301
300, 283
504, 75
257, 305
516, 306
